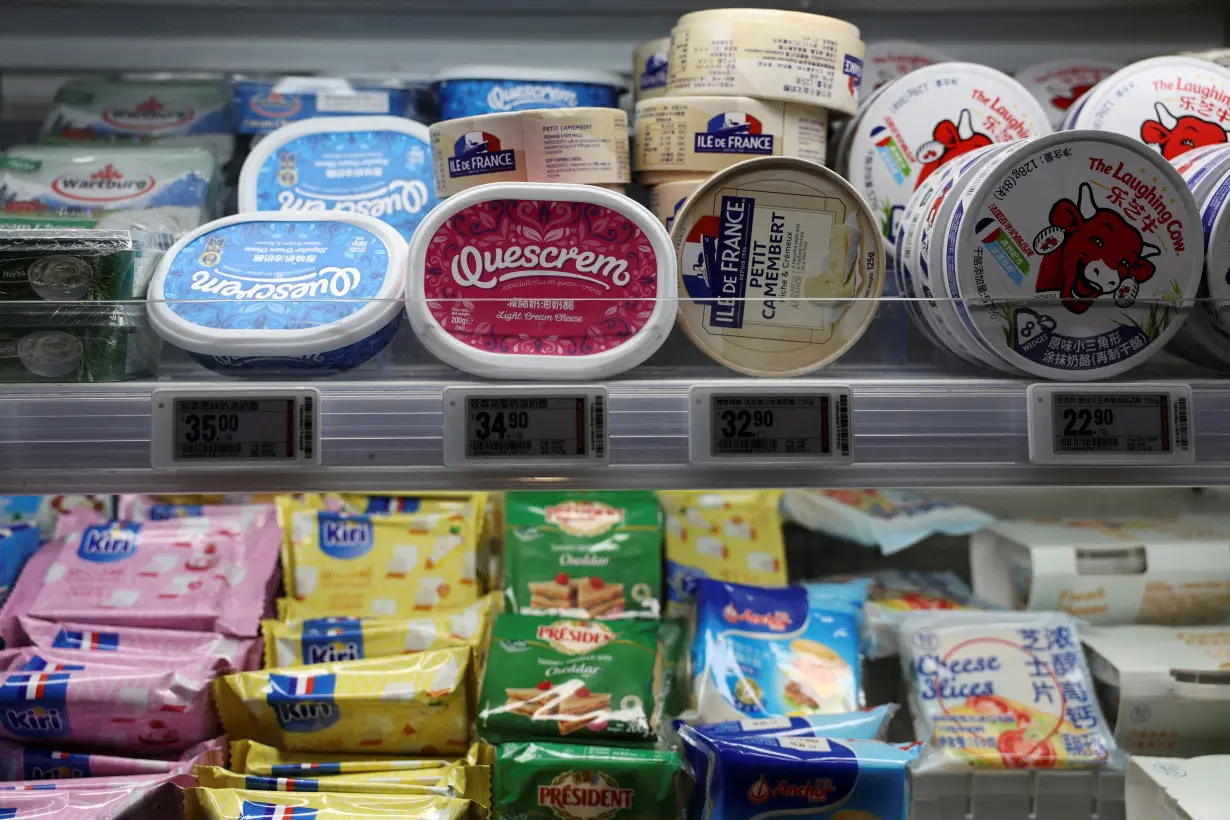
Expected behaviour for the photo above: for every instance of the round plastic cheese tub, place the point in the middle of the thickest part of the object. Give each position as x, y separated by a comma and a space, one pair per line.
1215, 216
1173, 104
378, 166
886, 60
666, 199
924, 120
649, 64
686, 137
266, 103
577, 145
789, 56
255, 294
1068, 260
1202, 168
1058, 84
467, 91
780, 264
533, 281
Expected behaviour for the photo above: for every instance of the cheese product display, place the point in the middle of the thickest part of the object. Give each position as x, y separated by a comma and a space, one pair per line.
77, 265
378, 166
650, 62
886, 60
17, 544
1058, 84
1163, 788
567, 281
266, 103
894, 594
769, 251
585, 555
261, 293
470, 90
246, 804
234, 653
666, 199
23, 763
680, 137
889, 519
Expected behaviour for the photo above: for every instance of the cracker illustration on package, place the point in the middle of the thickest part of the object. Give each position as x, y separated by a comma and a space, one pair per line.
382, 565
587, 681
1003, 690
588, 555
728, 535
418, 704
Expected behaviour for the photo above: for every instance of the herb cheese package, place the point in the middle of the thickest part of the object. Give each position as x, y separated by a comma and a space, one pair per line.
586, 555
586, 681
558, 781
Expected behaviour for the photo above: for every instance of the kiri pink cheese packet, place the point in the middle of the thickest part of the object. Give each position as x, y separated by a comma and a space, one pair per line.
206, 574
156, 796
240, 654
28, 763
24, 592
110, 706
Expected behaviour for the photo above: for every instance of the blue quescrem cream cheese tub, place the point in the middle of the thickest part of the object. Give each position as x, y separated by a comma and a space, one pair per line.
377, 166
266, 103
259, 293
781, 266
466, 91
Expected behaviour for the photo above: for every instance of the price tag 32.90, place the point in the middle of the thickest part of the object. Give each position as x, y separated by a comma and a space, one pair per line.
766, 424
1110, 424
516, 426
219, 428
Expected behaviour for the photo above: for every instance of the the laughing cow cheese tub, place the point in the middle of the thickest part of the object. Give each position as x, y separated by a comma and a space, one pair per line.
1174, 104
1058, 84
579, 145
259, 293
1074, 256
534, 281
924, 120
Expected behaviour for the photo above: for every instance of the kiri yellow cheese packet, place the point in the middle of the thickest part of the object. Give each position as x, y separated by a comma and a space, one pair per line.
456, 780
382, 565
250, 757
246, 804
728, 535
419, 704
327, 640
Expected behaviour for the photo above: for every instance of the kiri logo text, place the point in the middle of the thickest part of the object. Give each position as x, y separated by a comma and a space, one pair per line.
346, 537
149, 115
106, 544
107, 184
332, 651
399, 196
515, 97
303, 704
35, 720
734, 132
477, 152
473, 268
327, 281
773, 621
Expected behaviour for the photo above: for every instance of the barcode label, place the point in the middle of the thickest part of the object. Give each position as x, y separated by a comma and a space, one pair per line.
843, 425
597, 426
1070, 444
307, 427
1110, 424
1183, 425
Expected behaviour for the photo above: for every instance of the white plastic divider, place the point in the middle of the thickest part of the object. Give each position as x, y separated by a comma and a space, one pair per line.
1017, 795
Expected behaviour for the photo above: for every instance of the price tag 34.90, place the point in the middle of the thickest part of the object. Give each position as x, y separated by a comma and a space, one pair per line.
512, 426
770, 425
1110, 424
219, 428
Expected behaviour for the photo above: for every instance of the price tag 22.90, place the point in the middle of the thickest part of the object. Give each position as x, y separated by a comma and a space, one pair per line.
212, 428
1110, 424
770, 425
525, 425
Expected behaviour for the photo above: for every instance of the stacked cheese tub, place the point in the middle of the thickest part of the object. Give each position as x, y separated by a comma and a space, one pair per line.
114, 633
366, 701
732, 84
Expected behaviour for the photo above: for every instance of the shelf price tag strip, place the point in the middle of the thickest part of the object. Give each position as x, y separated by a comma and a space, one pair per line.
1110, 424
518, 426
224, 428
769, 424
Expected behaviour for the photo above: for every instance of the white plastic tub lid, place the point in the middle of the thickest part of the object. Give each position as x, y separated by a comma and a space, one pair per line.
542, 280
278, 284
378, 165
530, 74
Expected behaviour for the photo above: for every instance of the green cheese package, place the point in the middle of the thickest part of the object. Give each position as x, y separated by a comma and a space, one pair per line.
74, 264
583, 681
568, 782
584, 555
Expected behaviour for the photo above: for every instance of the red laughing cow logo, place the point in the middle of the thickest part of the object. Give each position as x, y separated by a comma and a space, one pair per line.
1089, 252
1064, 96
950, 141
1178, 135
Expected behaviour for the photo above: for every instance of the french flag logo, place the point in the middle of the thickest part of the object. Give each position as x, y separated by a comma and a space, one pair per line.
291, 769
252, 810
33, 704
281, 784
89, 641
476, 142
303, 703
734, 122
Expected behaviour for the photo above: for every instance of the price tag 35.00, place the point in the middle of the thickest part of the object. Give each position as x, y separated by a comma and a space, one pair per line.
219, 428
516, 426
1110, 424
768, 424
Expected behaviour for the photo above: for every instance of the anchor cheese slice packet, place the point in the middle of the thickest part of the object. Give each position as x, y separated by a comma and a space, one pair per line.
246, 804
419, 704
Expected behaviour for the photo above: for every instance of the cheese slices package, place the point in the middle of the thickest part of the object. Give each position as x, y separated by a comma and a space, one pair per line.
456, 780
889, 519
414, 704
115, 799
250, 757
728, 535
392, 565
247, 804
896, 593
1003, 690
326, 640
19, 762
238, 653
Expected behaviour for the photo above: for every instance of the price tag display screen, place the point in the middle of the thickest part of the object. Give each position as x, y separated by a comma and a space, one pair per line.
264, 429
1116, 423
770, 425
548, 427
